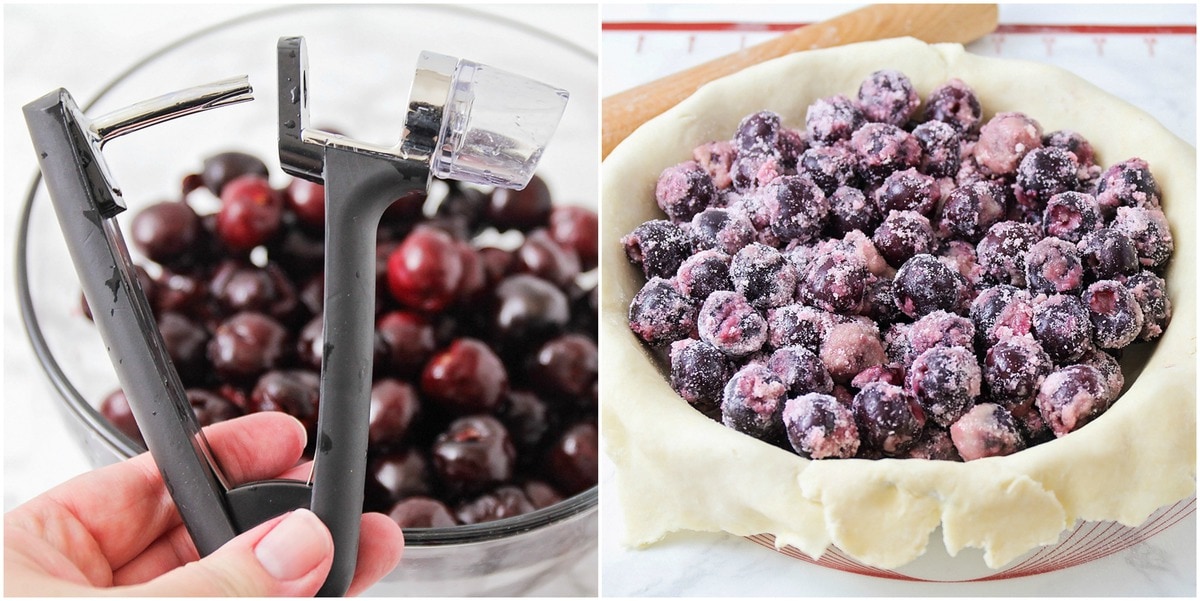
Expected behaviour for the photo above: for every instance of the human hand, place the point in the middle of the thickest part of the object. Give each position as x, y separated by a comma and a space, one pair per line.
117, 527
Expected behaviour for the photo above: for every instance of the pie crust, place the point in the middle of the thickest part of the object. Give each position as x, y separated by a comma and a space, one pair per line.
679, 470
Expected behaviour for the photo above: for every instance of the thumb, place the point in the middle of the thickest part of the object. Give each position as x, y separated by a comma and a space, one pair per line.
288, 556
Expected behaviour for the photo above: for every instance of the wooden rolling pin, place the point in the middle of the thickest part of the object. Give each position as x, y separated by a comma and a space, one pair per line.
960, 23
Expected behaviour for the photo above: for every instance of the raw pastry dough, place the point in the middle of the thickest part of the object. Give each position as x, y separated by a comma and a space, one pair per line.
677, 469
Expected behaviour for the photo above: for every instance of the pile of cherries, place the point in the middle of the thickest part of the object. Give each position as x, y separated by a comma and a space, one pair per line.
483, 403
901, 278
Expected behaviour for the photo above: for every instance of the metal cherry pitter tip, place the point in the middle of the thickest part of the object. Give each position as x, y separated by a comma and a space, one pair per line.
464, 121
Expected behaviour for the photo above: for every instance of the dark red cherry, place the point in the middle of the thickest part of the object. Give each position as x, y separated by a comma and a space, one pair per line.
298, 252
187, 344
464, 204
467, 377
246, 345
576, 228
179, 293
310, 344
504, 502
497, 263
422, 512
565, 366
220, 169
312, 294
238, 395
239, 286
520, 209
573, 461
403, 473
293, 391
474, 280
251, 213
425, 271
115, 408
405, 209
541, 494
527, 308
211, 408
526, 416
473, 454
394, 407
540, 255
166, 232
409, 340
307, 200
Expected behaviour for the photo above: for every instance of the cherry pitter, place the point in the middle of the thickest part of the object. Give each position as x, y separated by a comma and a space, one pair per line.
465, 121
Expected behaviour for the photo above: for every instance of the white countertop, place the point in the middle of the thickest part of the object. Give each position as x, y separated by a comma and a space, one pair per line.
1154, 72
41, 52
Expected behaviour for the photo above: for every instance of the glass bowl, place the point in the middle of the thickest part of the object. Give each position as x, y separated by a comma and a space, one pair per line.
361, 60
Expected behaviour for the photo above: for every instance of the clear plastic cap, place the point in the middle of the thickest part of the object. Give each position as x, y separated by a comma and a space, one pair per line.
495, 126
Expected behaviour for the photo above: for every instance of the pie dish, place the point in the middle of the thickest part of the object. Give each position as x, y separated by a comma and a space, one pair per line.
679, 470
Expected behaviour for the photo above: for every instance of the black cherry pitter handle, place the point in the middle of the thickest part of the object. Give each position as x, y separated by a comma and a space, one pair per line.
86, 202
357, 191
360, 183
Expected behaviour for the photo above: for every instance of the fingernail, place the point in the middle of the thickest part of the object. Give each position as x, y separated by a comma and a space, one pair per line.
295, 546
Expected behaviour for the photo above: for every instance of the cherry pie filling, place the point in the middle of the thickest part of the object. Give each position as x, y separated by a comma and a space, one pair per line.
901, 278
